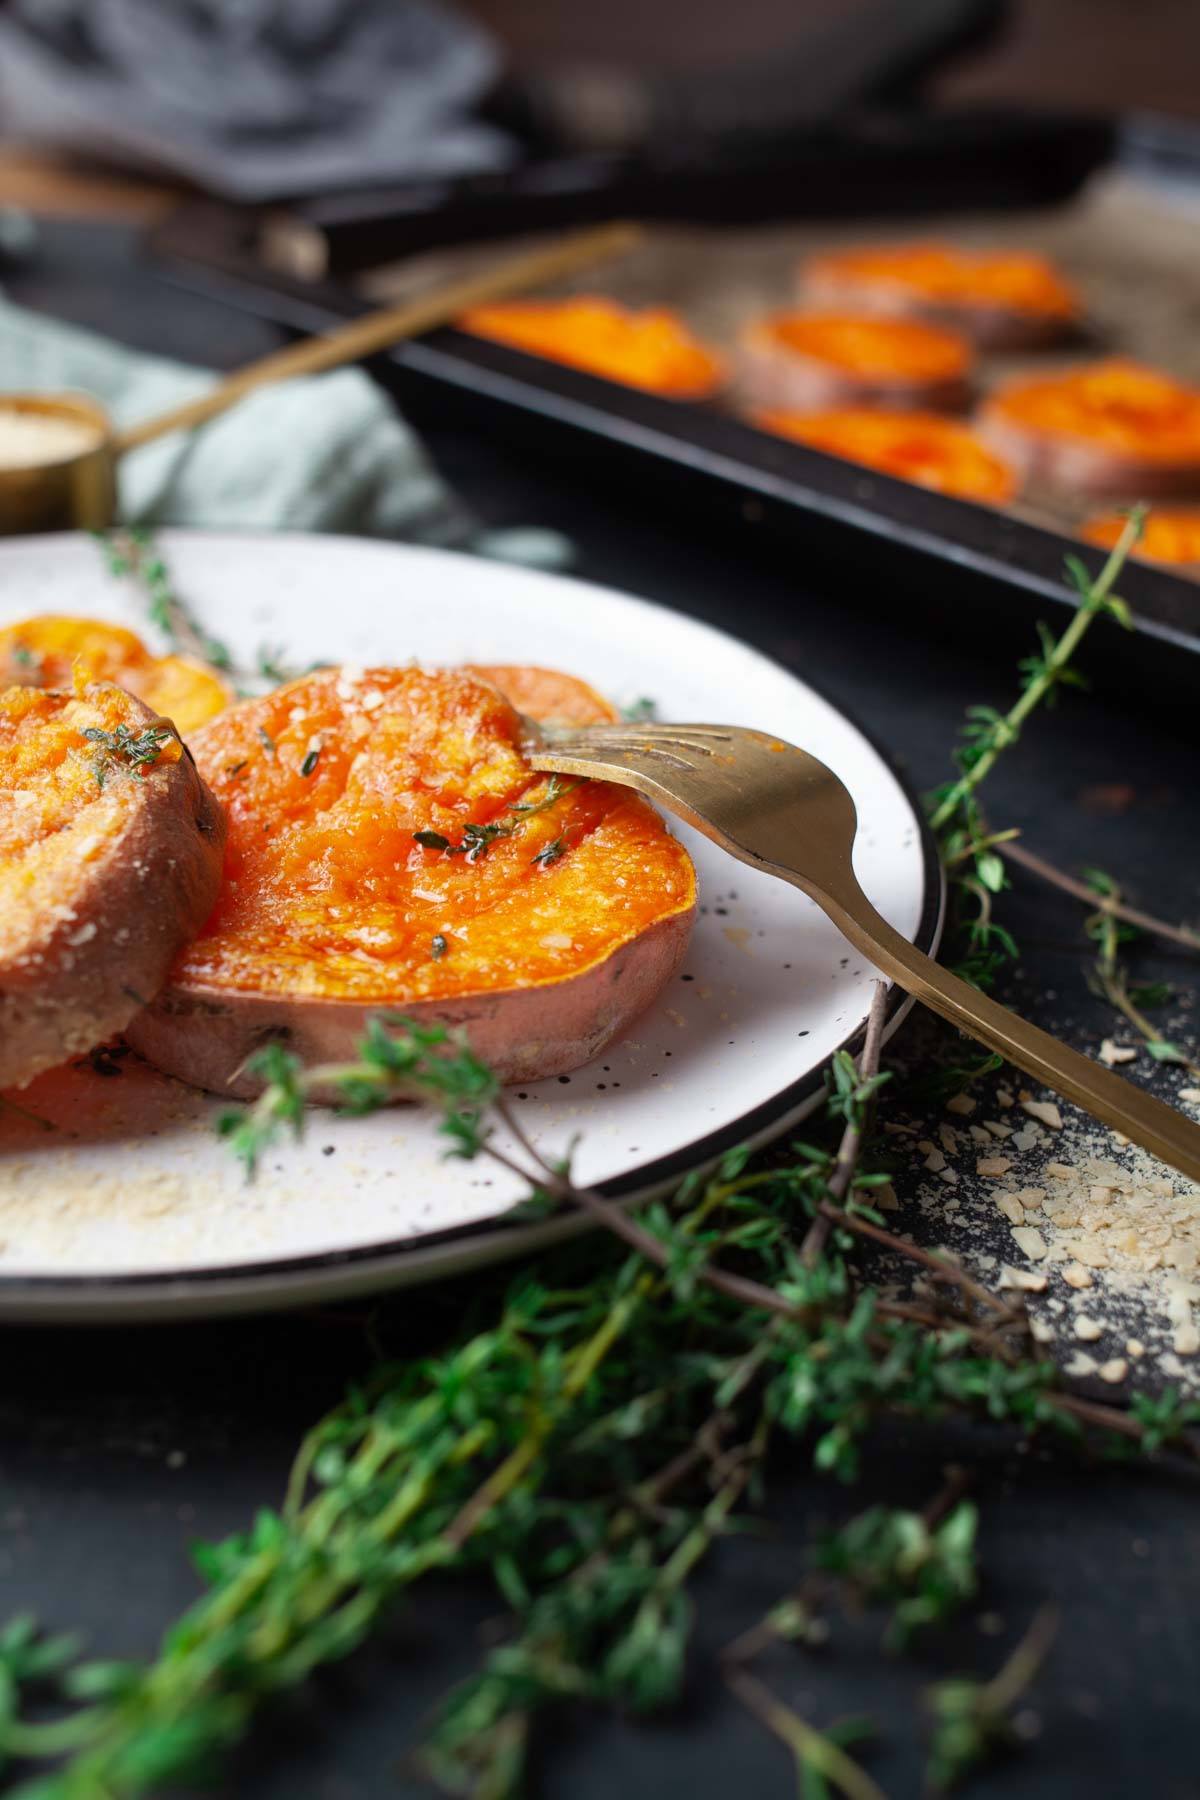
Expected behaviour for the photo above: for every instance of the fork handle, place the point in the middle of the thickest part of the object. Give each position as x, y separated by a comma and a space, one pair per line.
1158, 1128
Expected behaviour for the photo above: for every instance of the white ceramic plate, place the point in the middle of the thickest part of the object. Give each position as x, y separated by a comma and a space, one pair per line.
130, 1207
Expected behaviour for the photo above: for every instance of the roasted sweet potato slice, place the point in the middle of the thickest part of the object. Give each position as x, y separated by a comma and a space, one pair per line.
1001, 299
110, 859
390, 848
1171, 535
651, 349
546, 694
802, 362
1112, 427
45, 651
922, 447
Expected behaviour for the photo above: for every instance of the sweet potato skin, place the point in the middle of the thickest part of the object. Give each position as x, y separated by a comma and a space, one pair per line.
78, 961
529, 1011
203, 1035
808, 362
1001, 301
1107, 429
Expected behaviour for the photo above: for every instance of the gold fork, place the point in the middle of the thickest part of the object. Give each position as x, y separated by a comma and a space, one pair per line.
777, 808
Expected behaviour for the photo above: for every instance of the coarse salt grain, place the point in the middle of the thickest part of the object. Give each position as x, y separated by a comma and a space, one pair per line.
1030, 1241
1186, 1340
1076, 1276
1112, 1054
1114, 1370
1030, 1280
1044, 1111
993, 1165
1087, 1330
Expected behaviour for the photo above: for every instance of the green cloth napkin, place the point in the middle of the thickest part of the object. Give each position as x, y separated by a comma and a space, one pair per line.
324, 453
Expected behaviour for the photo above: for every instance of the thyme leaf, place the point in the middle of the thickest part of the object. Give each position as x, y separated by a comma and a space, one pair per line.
136, 751
477, 840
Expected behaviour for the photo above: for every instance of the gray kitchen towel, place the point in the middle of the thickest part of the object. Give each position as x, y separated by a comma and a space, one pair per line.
253, 99
324, 453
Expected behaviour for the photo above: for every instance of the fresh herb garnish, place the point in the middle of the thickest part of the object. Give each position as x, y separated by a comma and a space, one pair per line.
25, 658
477, 840
551, 853
132, 554
640, 709
137, 751
971, 851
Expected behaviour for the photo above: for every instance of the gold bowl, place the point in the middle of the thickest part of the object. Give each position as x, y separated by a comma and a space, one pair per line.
74, 491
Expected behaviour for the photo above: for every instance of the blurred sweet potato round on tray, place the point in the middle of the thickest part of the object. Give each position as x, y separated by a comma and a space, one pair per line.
1170, 535
1001, 299
925, 448
802, 362
1112, 427
652, 348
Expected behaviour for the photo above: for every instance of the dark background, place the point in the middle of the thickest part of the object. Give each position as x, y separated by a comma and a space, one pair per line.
118, 1448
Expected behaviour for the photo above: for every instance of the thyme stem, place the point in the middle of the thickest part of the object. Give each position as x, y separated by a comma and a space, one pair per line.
1093, 601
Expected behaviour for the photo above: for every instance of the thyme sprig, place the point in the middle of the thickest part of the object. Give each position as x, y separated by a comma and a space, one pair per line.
477, 840
132, 555
122, 747
971, 851
538, 1449
972, 1720
1110, 931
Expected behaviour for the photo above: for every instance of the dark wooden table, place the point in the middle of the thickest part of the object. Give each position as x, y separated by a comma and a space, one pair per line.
121, 1446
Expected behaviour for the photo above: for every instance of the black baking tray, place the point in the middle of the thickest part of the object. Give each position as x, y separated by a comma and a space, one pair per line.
955, 565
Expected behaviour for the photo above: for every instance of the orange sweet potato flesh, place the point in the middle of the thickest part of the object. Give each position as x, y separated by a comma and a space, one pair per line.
1114, 427
798, 361
45, 651
107, 865
544, 947
1003, 299
921, 447
651, 349
1170, 535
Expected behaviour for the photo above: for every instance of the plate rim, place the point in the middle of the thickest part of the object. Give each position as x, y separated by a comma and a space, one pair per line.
225, 1289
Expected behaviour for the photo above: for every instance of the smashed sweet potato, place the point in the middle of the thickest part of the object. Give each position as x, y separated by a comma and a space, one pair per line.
802, 361
389, 847
651, 349
922, 447
1002, 299
44, 652
110, 858
1114, 427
